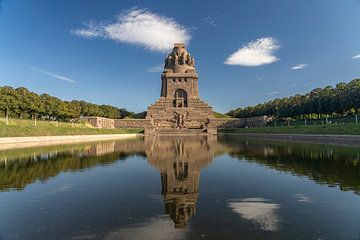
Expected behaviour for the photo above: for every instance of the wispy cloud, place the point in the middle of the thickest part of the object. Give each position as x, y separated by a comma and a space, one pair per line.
155, 69
356, 56
255, 53
139, 27
209, 21
299, 66
54, 75
262, 78
273, 93
293, 85
301, 198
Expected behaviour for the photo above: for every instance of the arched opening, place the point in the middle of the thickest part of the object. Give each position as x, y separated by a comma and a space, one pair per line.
180, 98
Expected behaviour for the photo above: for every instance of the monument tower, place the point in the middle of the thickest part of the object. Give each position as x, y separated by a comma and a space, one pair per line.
179, 109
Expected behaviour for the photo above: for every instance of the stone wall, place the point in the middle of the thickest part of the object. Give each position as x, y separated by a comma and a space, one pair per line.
239, 122
214, 123
132, 123
227, 122
101, 122
256, 121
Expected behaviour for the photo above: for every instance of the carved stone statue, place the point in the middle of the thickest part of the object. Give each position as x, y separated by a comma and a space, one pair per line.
192, 62
176, 59
188, 59
179, 120
182, 59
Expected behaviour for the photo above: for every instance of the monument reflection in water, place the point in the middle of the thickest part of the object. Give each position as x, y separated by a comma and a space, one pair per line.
150, 189
179, 161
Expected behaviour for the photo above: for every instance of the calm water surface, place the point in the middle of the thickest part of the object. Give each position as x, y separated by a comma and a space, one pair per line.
180, 188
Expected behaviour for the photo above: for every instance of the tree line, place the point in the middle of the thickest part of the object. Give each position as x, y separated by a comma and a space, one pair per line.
22, 103
341, 100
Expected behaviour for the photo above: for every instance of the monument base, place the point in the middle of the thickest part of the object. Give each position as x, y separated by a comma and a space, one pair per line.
191, 120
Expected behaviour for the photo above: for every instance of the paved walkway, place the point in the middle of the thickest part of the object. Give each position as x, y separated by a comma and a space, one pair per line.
18, 142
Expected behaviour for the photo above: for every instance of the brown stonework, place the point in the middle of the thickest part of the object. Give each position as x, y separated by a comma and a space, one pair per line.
100, 122
179, 108
132, 123
239, 122
212, 125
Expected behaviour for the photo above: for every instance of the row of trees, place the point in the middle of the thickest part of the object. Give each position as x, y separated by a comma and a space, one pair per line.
329, 101
22, 103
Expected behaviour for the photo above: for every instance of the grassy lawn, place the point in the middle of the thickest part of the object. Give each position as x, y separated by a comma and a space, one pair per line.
26, 128
345, 129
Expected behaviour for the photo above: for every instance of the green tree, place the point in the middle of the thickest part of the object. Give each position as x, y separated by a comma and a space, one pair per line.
9, 101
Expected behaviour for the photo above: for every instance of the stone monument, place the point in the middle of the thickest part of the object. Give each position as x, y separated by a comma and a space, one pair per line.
179, 109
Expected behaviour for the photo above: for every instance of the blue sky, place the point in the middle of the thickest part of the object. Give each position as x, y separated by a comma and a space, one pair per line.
110, 52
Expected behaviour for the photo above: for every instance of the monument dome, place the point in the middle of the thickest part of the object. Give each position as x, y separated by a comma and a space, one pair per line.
179, 60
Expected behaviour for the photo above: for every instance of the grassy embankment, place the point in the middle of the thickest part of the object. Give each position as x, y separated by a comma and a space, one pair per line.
220, 115
336, 129
26, 128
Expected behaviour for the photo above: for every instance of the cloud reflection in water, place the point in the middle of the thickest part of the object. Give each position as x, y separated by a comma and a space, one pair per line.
260, 211
160, 228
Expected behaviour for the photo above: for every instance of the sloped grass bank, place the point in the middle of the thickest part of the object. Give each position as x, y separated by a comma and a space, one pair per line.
26, 128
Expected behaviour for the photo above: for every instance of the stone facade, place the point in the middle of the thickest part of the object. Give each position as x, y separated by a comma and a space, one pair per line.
179, 107
212, 125
100, 122
132, 123
260, 121
228, 122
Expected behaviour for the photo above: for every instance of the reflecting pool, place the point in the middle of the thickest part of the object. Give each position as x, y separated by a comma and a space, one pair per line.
224, 187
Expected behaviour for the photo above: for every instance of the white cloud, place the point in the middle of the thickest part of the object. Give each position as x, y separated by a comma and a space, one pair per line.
293, 85
356, 56
260, 211
155, 69
301, 198
299, 66
54, 75
159, 228
92, 30
273, 93
255, 53
140, 27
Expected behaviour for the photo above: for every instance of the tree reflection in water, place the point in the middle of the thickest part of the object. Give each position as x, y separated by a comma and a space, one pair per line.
180, 160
